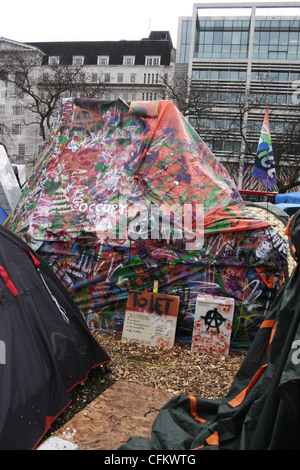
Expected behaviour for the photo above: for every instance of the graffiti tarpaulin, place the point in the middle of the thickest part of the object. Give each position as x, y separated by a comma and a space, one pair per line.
106, 208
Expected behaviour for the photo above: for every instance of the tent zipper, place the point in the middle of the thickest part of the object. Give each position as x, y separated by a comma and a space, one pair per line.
60, 308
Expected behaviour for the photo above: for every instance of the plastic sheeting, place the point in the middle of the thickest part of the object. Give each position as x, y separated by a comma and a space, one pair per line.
292, 198
10, 191
106, 177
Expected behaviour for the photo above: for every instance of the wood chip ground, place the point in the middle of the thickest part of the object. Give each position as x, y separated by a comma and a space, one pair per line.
177, 370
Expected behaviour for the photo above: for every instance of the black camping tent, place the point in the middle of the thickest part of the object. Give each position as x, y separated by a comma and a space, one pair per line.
262, 408
46, 347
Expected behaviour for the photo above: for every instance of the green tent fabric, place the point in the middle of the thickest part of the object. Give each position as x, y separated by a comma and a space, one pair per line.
262, 408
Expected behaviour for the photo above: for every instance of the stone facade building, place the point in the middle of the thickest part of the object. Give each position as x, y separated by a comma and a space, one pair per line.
33, 77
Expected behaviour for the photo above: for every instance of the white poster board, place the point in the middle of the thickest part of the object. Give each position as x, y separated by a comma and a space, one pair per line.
212, 325
151, 319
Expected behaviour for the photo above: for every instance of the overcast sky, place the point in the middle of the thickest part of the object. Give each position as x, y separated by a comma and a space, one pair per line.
92, 20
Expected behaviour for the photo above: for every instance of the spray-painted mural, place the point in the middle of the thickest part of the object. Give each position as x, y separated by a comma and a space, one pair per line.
114, 204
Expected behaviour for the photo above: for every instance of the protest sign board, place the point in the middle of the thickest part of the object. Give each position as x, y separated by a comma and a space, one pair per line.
151, 319
212, 324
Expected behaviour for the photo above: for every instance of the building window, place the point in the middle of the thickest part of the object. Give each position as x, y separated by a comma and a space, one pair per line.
21, 149
17, 110
81, 77
150, 77
16, 129
107, 77
133, 77
94, 77
152, 60
215, 74
128, 59
78, 60
2, 110
222, 39
276, 39
148, 96
120, 78
185, 41
4, 80
294, 76
53, 60
232, 146
102, 60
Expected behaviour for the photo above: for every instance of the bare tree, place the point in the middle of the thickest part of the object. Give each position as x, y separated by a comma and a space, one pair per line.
42, 87
244, 118
286, 149
192, 102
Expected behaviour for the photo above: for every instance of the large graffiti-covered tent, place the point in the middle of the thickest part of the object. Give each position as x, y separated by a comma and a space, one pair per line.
112, 206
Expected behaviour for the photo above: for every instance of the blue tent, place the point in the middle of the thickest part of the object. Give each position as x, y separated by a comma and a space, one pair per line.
292, 198
3, 215
288, 202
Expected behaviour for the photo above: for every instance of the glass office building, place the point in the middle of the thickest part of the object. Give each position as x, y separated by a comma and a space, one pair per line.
222, 38
245, 58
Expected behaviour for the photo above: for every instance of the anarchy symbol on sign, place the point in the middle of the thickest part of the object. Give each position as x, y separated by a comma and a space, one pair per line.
213, 319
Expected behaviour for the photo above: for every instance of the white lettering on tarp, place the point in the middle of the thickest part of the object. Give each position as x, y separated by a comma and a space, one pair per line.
295, 355
2, 352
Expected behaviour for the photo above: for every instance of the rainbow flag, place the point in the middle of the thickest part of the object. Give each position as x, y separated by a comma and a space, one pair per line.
264, 167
